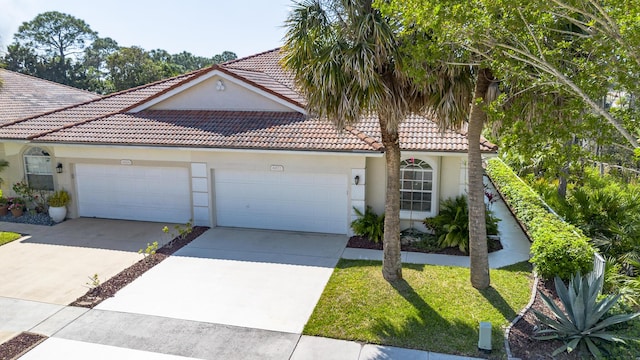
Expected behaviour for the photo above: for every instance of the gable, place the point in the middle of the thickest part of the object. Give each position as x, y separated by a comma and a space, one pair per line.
219, 93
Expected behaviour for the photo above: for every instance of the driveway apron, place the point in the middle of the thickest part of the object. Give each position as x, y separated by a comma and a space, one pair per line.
258, 279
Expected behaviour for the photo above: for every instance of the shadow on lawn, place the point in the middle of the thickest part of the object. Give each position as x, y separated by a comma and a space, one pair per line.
498, 302
426, 331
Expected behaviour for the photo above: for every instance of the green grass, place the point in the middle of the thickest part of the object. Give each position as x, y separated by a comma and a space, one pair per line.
7, 237
434, 308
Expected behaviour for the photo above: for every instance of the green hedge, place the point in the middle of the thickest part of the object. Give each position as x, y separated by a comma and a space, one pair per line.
558, 247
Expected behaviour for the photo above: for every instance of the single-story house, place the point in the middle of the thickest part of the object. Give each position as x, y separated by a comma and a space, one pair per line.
229, 145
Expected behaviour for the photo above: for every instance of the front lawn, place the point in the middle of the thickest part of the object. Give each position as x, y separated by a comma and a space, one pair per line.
434, 308
7, 237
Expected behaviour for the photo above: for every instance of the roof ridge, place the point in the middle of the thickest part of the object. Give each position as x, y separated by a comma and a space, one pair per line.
250, 56
53, 82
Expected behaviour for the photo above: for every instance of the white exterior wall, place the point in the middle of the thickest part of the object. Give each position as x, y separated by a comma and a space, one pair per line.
450, 171
202, 188
206, 96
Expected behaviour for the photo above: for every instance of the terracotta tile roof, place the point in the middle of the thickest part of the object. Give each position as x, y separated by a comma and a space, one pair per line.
23, 96
421, 133
71, 116
108, 120
217, 129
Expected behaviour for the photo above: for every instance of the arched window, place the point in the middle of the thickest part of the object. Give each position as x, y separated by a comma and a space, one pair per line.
38, 170
416, 185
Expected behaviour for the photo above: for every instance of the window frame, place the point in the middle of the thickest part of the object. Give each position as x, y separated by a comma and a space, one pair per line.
37, 152
423, 165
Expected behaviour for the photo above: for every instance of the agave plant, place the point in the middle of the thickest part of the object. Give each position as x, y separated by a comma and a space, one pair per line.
583, 325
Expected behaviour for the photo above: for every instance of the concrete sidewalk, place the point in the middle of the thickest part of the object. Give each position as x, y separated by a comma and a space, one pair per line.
78, 333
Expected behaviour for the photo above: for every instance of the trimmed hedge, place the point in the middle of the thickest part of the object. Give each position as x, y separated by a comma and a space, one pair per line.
558, 248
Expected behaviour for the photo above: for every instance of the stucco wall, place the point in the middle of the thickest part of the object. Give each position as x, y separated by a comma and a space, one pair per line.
206, 96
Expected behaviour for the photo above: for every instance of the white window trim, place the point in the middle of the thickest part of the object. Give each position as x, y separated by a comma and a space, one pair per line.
26, 155
435, 186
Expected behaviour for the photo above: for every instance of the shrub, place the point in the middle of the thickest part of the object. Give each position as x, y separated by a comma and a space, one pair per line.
558, 248
581, 321
451, 225
59, 198
368, 224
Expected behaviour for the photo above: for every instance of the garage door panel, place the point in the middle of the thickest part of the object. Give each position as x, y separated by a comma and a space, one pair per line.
281, 201
133, 192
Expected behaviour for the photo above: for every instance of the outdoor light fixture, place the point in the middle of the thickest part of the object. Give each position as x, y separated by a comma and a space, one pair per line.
356, 179
59, 168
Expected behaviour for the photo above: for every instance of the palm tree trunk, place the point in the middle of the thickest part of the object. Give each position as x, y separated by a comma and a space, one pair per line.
478, 252
391, 262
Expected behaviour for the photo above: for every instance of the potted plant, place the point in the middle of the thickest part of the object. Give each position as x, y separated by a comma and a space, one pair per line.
17, 207
58, 202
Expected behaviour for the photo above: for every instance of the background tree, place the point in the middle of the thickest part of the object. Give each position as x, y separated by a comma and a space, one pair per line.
56, 37
132, 66
346, 57
95, 67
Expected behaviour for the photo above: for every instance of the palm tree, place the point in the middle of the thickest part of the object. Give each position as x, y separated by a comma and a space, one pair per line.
347, 59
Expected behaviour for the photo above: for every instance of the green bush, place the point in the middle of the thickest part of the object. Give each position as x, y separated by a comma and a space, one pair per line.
369, 224
451, 225
559, 249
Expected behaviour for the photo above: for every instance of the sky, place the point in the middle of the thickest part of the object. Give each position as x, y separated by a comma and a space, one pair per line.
201, 27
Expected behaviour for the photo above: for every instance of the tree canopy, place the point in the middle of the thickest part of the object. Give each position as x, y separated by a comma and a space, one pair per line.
64, 49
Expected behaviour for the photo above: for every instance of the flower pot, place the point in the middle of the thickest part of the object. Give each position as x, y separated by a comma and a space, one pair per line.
4, 210
16, 212
57, 214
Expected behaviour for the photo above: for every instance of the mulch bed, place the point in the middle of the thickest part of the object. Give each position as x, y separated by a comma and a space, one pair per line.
110, 287
362, 242
19, 344
521, 340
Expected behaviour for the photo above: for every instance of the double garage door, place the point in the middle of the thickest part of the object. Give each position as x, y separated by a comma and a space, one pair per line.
248, 199
134, 192
281, 200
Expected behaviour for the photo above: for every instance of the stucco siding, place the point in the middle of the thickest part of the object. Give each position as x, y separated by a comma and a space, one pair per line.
376, 183
452, 176
207, 96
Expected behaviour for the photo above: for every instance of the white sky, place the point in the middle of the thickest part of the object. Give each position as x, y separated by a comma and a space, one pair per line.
202, 27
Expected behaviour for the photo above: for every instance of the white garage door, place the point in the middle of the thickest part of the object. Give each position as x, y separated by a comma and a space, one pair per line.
281, 201
134, 192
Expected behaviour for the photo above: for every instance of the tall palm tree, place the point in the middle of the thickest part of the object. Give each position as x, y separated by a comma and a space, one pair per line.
346, 58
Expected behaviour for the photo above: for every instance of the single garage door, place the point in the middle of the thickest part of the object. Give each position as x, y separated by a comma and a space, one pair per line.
134, 192
281, 201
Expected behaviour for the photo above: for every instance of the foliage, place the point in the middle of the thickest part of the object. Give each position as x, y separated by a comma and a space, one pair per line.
94, 281
179, 232
59, 198
64, 49
150, 250
451, 225
431, 303
559, 249
23, 190
581, 322
369, 224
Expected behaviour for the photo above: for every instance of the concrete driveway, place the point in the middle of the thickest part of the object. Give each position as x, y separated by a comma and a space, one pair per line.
52, 264
257, 279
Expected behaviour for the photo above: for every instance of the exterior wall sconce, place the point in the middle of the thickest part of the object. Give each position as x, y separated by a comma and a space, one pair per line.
59, 168
356, 179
